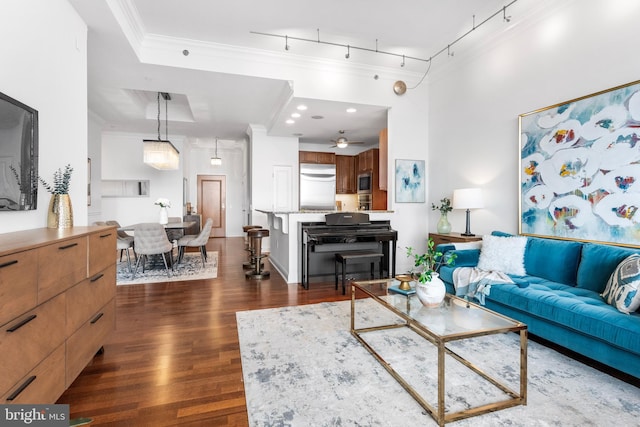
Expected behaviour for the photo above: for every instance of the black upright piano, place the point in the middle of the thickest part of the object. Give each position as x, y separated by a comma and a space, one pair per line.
341, 232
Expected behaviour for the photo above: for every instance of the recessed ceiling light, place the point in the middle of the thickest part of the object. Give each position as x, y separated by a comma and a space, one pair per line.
302, 107
295, 115
317, 117
351, 110
290, 121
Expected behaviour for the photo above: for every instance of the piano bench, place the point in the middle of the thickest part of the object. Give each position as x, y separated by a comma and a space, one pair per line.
356, 257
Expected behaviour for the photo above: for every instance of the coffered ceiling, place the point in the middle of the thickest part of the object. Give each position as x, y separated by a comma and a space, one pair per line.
122, 89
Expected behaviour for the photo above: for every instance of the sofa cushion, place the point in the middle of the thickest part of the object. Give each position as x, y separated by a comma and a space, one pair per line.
505, 254
575, 308
597, 262
555, 260
622, 287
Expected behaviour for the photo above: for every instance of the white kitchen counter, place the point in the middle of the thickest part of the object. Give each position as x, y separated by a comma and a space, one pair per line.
285, 239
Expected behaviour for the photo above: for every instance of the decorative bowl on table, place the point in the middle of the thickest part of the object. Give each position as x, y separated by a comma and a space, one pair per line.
405, 280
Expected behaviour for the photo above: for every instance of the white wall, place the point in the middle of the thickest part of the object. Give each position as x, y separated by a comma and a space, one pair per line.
267, 152
122, 159
567, 50
44, 65
234, 168
94, 151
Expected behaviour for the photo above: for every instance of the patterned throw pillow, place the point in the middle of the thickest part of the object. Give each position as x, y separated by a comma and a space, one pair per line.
622, 287
505, 254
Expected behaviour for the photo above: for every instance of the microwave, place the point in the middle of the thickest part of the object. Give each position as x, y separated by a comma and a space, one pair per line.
364, 183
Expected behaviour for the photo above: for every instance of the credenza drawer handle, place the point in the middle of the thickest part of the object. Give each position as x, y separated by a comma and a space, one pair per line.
95, 319
8, 263
68, 246
21, 388
22, 323
97, 277
105, 235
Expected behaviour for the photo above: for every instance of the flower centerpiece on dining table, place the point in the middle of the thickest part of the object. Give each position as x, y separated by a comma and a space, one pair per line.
164, 214
429, 288
443, 226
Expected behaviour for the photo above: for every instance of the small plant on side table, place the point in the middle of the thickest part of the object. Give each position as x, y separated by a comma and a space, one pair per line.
430, 288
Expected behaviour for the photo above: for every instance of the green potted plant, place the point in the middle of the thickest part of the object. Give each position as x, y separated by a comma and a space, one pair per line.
443, 226
429, 287
60, 213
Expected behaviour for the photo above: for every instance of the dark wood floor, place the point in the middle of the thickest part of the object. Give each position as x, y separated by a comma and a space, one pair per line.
174, 358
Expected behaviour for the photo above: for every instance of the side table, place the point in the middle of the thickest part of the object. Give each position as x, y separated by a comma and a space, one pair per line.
439, 239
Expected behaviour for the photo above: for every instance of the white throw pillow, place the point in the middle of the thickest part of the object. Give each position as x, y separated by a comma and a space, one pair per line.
504, 254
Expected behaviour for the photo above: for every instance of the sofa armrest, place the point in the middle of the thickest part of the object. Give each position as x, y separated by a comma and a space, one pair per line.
465, 257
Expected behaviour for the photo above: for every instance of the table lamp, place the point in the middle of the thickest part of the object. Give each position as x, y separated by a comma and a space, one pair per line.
468, 198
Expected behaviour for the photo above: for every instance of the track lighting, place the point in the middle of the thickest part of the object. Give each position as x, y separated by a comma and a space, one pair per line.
505, 18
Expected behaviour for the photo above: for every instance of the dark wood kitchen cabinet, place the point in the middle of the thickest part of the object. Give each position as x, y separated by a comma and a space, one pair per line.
317, 157
366, 160
345, 175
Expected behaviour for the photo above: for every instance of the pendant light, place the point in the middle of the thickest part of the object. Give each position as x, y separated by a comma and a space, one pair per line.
216, 161
161, 153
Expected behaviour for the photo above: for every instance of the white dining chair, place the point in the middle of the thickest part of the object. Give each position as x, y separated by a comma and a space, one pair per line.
151, 239
199, 241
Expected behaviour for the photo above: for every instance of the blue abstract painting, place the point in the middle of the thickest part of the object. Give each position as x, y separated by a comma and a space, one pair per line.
580, 168
410, 181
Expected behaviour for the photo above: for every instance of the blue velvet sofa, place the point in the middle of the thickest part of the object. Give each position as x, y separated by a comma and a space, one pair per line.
559, 298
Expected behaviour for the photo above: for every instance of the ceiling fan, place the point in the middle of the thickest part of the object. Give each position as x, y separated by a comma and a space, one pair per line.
343, 142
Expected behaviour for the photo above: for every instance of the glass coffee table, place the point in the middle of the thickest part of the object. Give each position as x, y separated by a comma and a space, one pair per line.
457, 319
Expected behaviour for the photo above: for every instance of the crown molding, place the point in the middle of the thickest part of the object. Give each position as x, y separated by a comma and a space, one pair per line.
210, 56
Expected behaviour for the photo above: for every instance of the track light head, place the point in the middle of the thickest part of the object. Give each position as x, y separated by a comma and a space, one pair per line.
505, 18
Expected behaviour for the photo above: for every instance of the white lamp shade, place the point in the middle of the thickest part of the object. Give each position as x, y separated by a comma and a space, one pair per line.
161, 154
216, 161
467, 198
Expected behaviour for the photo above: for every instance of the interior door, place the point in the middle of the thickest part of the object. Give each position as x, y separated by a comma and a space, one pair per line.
212, 202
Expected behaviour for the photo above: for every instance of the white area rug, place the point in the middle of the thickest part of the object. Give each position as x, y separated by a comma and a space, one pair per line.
302, 367
189, 269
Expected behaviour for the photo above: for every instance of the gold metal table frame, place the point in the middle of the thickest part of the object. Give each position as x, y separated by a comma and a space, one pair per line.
489, 323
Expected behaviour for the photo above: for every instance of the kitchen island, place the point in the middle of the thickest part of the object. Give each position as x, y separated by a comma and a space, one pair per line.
285, 247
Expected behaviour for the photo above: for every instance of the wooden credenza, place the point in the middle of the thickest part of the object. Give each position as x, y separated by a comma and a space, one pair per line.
439, 239
58, 307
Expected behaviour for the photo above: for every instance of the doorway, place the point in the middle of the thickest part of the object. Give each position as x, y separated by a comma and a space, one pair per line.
212, 202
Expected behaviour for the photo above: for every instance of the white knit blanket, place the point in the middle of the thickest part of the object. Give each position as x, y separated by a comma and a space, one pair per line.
472, 282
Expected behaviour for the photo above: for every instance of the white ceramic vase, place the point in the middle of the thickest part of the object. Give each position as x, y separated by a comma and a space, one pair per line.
164, 216
431, 293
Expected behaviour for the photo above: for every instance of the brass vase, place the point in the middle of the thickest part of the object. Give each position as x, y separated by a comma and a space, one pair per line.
60, 214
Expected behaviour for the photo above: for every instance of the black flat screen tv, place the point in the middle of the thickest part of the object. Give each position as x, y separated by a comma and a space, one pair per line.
18, 155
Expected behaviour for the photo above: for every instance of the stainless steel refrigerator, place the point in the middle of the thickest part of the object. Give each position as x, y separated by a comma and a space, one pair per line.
317, 186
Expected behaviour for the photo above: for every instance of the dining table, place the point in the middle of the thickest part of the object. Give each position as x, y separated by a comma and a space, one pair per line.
185, 225
169, 226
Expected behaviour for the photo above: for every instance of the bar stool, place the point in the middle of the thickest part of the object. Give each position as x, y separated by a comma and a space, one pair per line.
248, 245
246, 228
255, 238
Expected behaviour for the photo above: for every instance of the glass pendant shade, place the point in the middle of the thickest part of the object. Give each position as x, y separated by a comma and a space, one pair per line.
161, 154
216, 161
